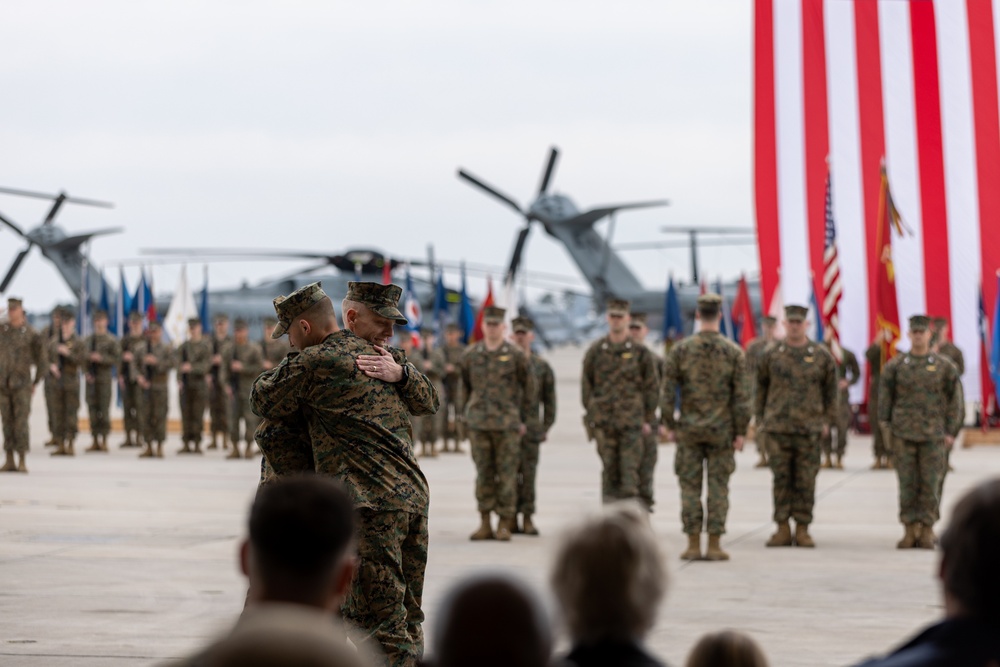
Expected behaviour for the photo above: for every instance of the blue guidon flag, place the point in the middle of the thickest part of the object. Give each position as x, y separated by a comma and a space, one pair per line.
411, 306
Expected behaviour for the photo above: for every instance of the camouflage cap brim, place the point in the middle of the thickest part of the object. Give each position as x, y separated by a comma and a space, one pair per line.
390, 313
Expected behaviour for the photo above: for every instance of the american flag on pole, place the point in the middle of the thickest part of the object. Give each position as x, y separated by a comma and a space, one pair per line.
831, 279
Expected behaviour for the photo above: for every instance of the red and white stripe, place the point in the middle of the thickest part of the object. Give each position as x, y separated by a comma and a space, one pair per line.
914, 81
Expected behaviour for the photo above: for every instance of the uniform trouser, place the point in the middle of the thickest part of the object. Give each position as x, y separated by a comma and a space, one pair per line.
496, 455
241, 410
194, 395
647, 468
425, 428
134, 407
879, 447
451, 409
526, 473
15, 406
99, 407
920, 468
620, 450
385, 596
693, 460
66, 407
843, 423
50, 393
155, 402
218, 408
794, 461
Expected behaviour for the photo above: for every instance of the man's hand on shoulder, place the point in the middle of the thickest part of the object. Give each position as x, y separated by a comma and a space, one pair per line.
380, 366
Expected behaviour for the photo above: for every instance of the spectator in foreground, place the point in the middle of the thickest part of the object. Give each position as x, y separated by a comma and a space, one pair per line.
299, 560
609, 578
491, 620
726, 649
969, 635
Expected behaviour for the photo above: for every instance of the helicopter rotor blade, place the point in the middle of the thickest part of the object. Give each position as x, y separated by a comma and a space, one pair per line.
13, 268
65, 198
10, 224
543, 187
496, 193
515, 257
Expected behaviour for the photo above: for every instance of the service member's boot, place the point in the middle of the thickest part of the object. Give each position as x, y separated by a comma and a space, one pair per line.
20, 462
128, 441
159, 449
197, 447
910, 538
185, 449
827, 462
504, 529
693, 552
235, 454
878, 463
60, 449
485, 531
839, 465
762, 461
927, 539
147, 453
802, 538
714, 551
104, 443
782, 538
94, 446
515, 527
888, 463
51, 442
8, 465
69, 448
529, 526
214, 444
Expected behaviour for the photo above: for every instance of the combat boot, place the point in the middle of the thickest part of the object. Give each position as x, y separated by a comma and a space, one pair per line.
8, 465
927, 538
839, 465
485, 531
714, 551
503, 529
827, 462
69, 448
888, 463
515, 527
20, 462
693, 552
235, 454
214, 444
104, 443
878, 463
910, 538
147, 453
762, 461
159, 449
782, 538
185, 449
802, 538
429, 449
529, 526
94, 446
197, 447
60, 449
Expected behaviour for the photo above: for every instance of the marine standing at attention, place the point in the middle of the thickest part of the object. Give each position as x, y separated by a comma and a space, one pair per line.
920, 410
103, 353
848, 374
156, 359
619, 391
20, 347
711, 374
639, 330
356, 394
132, 393
218, 398
194, 361
66, 355
795, 405
49, 333
498, 384
242, 362
755, 350
880, 449
430, 360
452, 403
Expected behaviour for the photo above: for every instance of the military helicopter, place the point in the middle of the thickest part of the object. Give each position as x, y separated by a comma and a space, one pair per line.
599, 263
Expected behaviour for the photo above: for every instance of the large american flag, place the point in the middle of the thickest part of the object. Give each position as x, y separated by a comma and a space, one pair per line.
831, 279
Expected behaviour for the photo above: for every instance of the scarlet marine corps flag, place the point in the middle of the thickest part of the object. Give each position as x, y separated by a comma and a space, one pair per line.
886, 308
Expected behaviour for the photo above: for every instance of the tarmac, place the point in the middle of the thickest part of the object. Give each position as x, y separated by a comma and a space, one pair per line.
106, 559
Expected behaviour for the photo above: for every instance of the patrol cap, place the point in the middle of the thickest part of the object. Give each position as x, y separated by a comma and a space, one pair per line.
240, 324
194, 321
768, 319
523, 325
919, 323
709, 303
796, 313
287, 308
638, 319
383, 300
134, 316
221, 317
154, 326
67, 313
427, 331
618, 307
14, 302
100, 314
494, 314
940, 322
452, 326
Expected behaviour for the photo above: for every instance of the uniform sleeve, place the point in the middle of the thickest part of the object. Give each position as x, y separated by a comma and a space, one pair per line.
955, 415
886, 393
852, 371
739, 408
277, 394
587, 378
874, 356
465, 377
166, 358
418, 392
41, 357
527, 378
254, 363
763, 381
78, 353
650, 389
831, 392
548, 397
960, 361
668, 388
201, 360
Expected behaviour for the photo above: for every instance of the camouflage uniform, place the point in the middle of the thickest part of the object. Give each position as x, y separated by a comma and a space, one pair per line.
66, 397
847, 369
156, 399
543, 401
252, 359
920, 400
428, 429
99, 382
20, 347
218, 399
453, 403
874, 356
50, 333
710, 372
955, 356
620, 394
360, 434
287, 443
133, 395
499, 385
796, 397
755, 350
193, 387
650, 444
274, 351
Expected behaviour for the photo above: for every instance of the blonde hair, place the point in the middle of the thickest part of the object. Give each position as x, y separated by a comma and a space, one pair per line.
609, 576
726, 649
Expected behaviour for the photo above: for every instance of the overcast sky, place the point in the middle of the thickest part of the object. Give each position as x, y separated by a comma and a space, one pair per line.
328, 125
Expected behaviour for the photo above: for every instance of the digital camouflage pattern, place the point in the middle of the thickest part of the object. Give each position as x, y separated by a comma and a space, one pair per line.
68, 358
874, 357
157, 361
954, 354
710, 372
218, 399
133, 395
919, 397
360, 433
99, 380
755, 350
286, 447
20, 348
193, 386
251, 358
452, 402
920, 467
541, 416
650, 447
497, 455
794, 460
289, 307
848, 369
430, 428
620, 392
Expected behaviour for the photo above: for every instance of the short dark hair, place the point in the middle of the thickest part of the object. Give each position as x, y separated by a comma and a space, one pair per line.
971, 546
301, 527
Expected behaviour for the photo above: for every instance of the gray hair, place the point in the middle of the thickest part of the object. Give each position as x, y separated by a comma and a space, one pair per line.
609, 576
